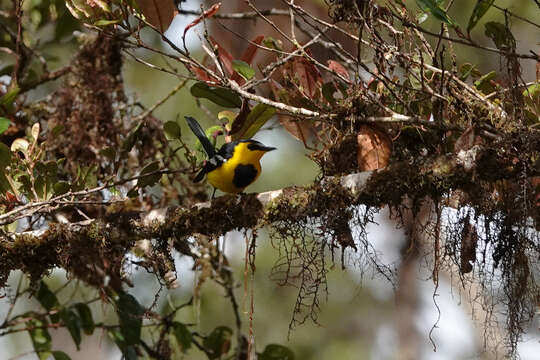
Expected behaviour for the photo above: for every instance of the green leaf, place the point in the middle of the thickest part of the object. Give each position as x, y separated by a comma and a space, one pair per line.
328, 90
183, 336
117, 337
218, 95
466, 70
57, 130
26, 185
501, 35
272, 43
61, 187
218, 343
531, 96
172, 130
4, 183
421, 17
73, 324
151, 179
39, 186
227, 116
276, 352
41, 339
133, 193
480, 9
130, 353
434, 8
484, 83
104, 22
4, 124
532, 91
86, 178
21, 145
109, 153
212, 133
130, 314
60, 355
257, 117
132, 138
65, 25
87, 322
7, 70
243, 68
5, 156
46, 297
51, 168
9, 97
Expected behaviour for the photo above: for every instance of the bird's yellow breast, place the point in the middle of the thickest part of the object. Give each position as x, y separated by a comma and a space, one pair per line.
223, 177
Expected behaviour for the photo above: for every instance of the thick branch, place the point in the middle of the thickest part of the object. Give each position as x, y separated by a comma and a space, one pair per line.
81, 247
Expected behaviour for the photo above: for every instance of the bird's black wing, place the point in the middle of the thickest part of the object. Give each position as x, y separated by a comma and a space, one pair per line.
210, 165
199, 133
224, 154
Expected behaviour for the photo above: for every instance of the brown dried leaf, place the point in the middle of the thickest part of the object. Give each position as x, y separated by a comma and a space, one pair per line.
159, 13
535, 182
469, 239
301, 129
207, 14
224, 56
340, 69
374, 148
202, 75
308, 77
467, 140
251, 50
239, 121
538, 71
9, 201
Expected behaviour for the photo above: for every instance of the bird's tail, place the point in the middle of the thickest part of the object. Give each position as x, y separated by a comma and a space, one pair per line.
199, 133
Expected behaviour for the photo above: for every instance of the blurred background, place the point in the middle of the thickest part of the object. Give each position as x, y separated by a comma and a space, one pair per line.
358, 317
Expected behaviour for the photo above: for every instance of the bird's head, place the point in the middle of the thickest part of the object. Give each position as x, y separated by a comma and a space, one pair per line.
255, 149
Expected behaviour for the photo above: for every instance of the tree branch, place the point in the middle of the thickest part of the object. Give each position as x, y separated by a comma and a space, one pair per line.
63, 244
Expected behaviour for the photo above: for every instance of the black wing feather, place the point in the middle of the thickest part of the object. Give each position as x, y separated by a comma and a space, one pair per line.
200, 175
199, 133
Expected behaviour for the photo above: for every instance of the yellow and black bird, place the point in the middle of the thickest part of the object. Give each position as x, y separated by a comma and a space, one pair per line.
235, 166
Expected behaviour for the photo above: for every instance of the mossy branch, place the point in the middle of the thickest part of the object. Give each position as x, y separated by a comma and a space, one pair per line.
94, 250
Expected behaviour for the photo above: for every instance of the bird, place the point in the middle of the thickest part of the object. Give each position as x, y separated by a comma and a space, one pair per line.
234, 166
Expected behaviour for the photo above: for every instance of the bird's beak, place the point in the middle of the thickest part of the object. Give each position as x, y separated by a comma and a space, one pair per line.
267, 148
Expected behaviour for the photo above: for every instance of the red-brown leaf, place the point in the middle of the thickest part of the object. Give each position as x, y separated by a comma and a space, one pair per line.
159, 13
467, 140
239, 121
301, 129
205, 15
247, 57
251, 50
340, 69
9, 201
224, 56
202, 75
535, 182
374, 148
306, 76
469, 240
309, 77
